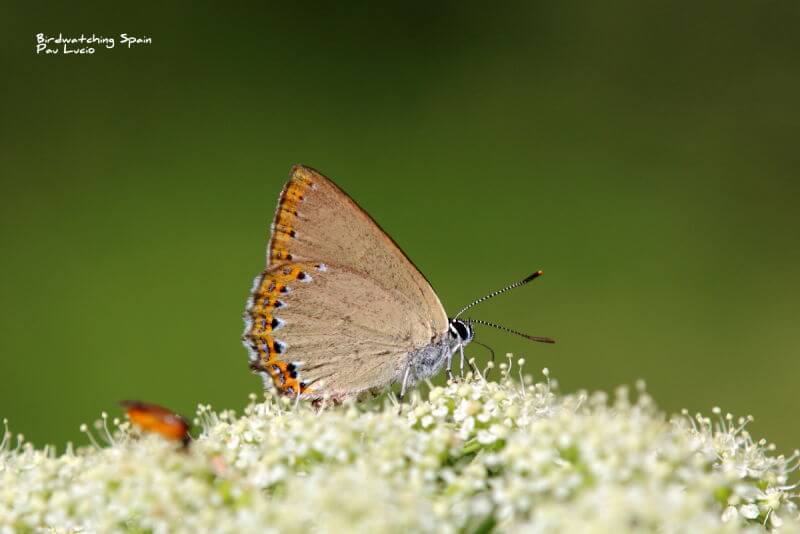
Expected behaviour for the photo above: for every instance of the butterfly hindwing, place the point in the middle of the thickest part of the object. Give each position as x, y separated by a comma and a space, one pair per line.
326, 330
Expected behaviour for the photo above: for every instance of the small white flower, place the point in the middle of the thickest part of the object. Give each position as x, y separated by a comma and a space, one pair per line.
486, 438
729, 513
750, 511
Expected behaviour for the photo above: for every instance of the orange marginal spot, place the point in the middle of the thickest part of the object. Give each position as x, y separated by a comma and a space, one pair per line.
283, 230
285, 378
267, 298
157, 419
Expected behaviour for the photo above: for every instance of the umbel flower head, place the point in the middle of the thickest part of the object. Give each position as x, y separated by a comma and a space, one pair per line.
476, 456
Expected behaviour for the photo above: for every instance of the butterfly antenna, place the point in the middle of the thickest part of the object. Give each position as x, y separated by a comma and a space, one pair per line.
522, 282
510, 331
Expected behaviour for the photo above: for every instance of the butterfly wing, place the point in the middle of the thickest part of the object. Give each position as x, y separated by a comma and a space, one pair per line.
340, 305
317, 221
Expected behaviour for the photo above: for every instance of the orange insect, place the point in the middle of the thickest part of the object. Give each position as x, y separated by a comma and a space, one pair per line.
157, 419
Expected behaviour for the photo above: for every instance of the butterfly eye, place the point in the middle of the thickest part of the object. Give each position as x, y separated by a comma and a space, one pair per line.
460, 330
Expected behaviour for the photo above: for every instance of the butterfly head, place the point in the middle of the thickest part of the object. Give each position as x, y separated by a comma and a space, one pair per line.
461, 331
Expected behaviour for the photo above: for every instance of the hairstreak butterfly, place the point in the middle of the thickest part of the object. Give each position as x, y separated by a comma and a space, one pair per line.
340, 311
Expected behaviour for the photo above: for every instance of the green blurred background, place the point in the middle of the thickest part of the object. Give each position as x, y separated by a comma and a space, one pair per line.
644, 155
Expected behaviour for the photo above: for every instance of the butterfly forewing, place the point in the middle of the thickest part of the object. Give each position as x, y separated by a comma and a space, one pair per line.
340, 305
317, 221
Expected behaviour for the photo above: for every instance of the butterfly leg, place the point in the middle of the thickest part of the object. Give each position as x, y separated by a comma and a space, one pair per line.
403, 390
449, 367
461, 350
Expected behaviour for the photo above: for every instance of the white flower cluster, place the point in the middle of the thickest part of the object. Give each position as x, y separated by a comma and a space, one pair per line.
476, 456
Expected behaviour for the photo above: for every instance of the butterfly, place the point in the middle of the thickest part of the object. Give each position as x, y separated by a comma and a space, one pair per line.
340, 311
157, 419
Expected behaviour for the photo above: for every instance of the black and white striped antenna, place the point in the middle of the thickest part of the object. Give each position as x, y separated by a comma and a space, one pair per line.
522, 282
540, 339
